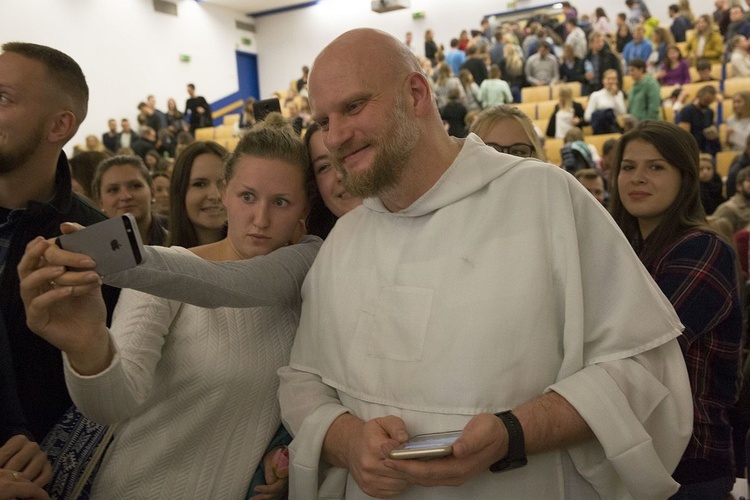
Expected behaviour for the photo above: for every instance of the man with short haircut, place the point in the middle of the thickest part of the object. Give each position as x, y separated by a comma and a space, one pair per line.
576, 38
602, 59
592, 180
153, 120
144, 143
408, 39
127, 135
199, 110
455, 57
680, 23
475, 64
531, 41
438, 305
637, 48
703, 67
741, 161
542, 68
638, 12
43, 100
698, 119
738, 25
722, 9
605, 105
496, 51
644, 97
161, 116
736, 210
739, 55
110, 138
302, 82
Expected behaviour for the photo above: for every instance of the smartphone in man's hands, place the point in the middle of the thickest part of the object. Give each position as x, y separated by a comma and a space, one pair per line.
437, 444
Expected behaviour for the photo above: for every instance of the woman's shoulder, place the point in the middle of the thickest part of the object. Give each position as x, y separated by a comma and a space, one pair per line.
700, 244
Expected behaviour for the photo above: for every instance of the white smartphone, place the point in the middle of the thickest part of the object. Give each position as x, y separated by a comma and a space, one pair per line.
114, 244
437, 444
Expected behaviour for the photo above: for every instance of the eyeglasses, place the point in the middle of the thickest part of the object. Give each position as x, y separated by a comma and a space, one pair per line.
518, 149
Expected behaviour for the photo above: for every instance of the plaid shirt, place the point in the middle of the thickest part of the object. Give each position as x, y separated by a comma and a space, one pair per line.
698, 274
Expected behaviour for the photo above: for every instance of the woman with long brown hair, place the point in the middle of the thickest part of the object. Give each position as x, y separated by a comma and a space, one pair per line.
656, 202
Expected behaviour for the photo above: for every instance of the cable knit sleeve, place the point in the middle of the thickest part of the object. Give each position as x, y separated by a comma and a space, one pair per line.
177, 274
139, 328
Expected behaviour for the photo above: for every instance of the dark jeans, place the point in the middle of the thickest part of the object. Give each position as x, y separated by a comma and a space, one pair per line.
710, 490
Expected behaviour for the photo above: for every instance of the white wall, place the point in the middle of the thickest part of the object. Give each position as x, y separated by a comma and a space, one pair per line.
128, 51
292, 39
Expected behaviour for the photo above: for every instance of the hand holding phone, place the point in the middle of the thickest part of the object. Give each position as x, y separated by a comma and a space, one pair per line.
264, 107
437, 444
114, 244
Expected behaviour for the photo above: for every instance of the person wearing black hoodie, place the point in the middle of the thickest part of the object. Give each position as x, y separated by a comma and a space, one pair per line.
710, 183
602, 59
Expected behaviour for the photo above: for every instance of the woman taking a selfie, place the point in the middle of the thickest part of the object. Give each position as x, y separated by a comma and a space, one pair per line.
192, 389
656, 202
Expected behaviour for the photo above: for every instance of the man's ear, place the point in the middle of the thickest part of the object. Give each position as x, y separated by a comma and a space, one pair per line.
420, 90
61, 126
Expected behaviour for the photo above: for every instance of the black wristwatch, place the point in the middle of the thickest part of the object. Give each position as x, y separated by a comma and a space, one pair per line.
516, 456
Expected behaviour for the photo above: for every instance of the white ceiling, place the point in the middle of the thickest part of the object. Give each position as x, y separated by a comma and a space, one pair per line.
255, 6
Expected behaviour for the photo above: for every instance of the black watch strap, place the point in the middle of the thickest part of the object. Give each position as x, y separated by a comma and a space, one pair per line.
516, 456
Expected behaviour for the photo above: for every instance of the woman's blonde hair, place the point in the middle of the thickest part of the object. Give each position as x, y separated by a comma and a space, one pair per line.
744, 111
513, 62
272, 138
444, 72
490, 117
566, 97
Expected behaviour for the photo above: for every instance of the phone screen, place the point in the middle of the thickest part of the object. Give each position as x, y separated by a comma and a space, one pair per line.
425, 441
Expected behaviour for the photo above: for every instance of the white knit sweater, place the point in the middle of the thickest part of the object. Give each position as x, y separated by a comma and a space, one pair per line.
195, 392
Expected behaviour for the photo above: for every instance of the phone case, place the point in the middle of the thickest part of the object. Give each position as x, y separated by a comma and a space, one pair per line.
114, 244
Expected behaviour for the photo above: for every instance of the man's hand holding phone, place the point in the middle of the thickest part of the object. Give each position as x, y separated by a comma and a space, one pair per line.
362, 447
483, 442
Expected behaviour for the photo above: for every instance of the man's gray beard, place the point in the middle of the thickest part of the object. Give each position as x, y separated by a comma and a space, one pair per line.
390, 161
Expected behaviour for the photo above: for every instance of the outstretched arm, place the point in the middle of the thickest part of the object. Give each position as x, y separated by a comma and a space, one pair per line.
176, 274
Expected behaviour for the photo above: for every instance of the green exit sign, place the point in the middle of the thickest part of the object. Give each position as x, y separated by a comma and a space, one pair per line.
247, 41
184, 58
418, 15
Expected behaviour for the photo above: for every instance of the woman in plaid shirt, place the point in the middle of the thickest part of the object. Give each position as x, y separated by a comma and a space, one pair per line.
656, 202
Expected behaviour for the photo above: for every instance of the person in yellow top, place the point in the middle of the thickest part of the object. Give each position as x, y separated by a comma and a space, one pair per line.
705, 42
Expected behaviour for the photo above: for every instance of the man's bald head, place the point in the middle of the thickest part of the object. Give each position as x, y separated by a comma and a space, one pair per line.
366, 50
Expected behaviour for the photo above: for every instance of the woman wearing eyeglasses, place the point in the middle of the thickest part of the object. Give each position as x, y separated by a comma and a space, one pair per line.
508, 130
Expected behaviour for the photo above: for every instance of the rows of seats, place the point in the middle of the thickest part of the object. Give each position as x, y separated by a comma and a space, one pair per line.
222, 134
729, 86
